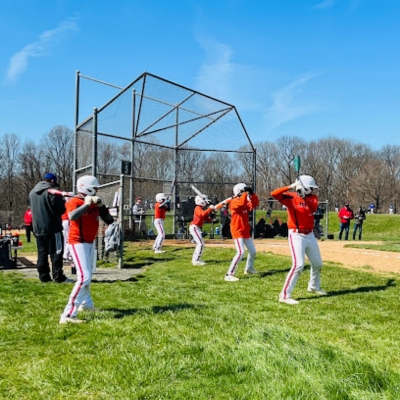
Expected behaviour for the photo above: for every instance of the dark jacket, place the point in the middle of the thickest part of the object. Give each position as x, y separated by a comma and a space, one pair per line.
46, 210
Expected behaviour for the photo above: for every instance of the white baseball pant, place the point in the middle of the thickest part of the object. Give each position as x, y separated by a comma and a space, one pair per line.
159, 225
302, 245
240, 244
82, 254
65, 224
195, 231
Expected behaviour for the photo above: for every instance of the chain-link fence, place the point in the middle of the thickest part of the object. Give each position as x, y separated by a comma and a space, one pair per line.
172, 137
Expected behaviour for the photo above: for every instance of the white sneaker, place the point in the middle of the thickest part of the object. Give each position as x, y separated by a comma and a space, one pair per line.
199, 262
83, 308
289, 301
159, 251
231, 278
70, 320
317, 291
250, 271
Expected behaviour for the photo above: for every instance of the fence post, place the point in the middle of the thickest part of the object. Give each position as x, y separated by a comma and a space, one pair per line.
121, 224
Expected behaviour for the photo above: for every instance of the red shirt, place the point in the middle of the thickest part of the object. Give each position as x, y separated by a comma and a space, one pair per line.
159, 212
240, 207
345, 212
200, 216
28, 217
300, 209
84, 229
64, 217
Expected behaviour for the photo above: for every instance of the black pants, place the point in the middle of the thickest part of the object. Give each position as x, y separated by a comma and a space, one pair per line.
344, 226
28, 230
46, 246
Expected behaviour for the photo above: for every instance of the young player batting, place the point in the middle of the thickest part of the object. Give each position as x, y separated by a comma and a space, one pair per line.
301, 205
243, 201
160, 210
200, 216
84, 211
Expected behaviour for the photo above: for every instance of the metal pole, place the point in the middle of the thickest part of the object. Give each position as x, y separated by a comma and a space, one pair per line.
133, 126
77, 85
176, 171
326, 219
121, 224
254, 187
94, 143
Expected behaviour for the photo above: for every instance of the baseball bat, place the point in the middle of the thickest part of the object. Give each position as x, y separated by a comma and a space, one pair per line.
297, 164
57, 192
197, 191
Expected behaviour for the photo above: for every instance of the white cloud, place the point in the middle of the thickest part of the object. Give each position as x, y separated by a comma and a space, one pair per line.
216, 73
325, 4
19, 61
284, 108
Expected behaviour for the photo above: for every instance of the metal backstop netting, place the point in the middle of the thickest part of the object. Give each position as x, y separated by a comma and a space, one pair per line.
172, 137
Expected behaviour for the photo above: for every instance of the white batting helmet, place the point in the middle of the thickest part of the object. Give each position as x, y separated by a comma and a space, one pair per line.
200, 201
160, 197
308, 183
87, 184
239, 188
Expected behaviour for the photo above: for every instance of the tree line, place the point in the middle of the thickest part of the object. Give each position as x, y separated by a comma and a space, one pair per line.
345, 170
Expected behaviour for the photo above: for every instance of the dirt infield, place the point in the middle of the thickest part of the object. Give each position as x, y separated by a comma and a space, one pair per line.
331, 250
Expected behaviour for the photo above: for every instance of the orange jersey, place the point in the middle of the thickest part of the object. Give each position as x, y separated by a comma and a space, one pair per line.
84, 229
300, 210
239, 208
159, 212
64, 217
200, 216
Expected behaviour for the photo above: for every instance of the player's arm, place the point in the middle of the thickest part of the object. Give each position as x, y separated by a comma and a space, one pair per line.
73, 215
105, 215
312, 203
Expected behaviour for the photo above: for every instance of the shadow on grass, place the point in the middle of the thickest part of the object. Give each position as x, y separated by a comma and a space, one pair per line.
363, 289
111, 280
121, 313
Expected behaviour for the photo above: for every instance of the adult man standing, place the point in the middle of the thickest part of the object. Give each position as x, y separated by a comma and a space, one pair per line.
28, 224
47, 209
359, 218
139, 212
346, 215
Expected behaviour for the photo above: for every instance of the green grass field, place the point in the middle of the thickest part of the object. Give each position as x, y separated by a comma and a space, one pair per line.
182, 332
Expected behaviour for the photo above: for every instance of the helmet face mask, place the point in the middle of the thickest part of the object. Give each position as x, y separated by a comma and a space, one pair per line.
88, 185
239, 188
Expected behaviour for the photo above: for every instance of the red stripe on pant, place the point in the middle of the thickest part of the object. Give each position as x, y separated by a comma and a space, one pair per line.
241, 251
81, 274
293, 269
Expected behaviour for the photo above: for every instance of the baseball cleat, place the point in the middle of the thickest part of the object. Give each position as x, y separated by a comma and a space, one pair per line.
289, 301
70, 320
250, 271
159, 251
317, 291
199, 263
231, 278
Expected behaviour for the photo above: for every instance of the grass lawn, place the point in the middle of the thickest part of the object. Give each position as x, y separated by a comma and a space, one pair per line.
182, 332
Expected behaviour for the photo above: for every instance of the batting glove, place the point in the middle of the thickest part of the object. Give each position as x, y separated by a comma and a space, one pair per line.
249, 190
96, 200
88, 200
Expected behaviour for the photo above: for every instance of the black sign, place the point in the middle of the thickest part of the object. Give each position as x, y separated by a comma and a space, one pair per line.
126, 167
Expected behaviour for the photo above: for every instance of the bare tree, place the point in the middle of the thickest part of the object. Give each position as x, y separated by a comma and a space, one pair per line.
9, 149
58, 154
289, 147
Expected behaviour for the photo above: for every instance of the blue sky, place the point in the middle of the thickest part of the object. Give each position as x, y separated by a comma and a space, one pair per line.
308, 68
